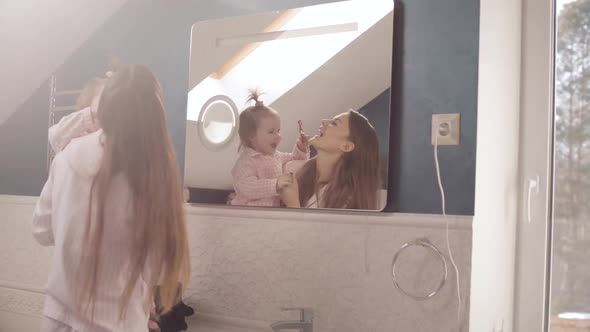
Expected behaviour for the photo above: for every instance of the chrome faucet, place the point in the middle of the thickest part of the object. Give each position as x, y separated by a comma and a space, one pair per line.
304, 324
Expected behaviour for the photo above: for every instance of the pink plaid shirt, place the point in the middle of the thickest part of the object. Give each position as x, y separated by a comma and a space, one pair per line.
77, 124
255, 176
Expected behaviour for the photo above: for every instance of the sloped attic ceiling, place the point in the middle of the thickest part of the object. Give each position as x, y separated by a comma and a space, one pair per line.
38, 36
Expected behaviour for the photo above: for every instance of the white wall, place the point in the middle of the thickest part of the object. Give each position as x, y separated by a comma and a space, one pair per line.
247, 264
496, 193
27, 59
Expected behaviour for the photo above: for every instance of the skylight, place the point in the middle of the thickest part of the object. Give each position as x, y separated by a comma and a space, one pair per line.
279, 64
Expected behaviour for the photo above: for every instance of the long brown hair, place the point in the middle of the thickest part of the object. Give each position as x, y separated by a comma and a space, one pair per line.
137, 145
356, 179
250, 118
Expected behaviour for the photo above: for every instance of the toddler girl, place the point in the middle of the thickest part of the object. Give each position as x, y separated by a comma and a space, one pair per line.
258, 173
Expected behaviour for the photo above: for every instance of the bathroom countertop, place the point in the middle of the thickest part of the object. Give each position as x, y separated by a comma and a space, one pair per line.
203, 322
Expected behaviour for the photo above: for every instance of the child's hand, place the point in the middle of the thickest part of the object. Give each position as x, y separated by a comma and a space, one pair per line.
284, 181
303, 140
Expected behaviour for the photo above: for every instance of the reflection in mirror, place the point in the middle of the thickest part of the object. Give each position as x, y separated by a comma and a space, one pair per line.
291, 108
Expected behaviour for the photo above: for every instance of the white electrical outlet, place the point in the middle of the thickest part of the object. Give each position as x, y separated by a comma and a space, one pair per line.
446, 129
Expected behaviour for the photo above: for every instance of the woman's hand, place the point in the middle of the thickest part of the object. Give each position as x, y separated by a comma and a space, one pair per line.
290, 193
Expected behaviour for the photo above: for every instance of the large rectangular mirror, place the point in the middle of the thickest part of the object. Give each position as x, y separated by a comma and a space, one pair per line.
316, 132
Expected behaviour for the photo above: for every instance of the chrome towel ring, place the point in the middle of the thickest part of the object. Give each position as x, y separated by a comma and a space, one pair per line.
426, 244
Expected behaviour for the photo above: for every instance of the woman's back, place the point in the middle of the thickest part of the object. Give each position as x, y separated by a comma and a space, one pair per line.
112, 206
70, 186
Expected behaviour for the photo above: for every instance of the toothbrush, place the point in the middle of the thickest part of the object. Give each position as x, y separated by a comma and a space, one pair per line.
301, 132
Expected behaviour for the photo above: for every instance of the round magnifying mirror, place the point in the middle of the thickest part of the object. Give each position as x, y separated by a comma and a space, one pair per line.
218, 122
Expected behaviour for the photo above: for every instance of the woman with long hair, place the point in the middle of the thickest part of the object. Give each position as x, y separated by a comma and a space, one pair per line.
112, 207
345, 173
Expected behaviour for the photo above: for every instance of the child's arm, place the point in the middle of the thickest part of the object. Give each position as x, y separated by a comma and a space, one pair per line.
300, 152
300, 149
74, 125
247, 183
42, 224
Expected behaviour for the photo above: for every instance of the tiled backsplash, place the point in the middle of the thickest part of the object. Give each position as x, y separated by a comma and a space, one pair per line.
247, 264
